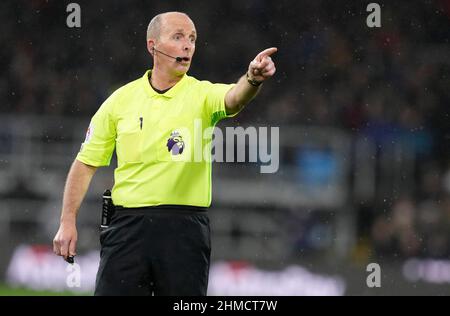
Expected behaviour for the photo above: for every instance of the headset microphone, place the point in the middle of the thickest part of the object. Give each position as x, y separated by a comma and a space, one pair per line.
178, 59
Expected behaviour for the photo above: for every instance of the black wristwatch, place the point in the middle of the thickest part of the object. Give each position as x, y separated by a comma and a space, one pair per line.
253, 82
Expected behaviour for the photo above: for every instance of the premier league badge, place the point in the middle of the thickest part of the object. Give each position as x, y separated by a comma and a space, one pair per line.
175, 143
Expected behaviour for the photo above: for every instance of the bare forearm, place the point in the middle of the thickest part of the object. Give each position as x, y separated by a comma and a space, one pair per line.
240, 95
77, 183
260, 69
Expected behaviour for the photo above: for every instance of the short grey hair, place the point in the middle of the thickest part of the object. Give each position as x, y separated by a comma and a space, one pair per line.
154, 27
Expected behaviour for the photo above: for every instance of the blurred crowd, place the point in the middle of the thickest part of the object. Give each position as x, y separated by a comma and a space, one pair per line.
389, 84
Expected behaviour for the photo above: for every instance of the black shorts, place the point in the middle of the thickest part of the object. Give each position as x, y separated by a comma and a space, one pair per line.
155, 251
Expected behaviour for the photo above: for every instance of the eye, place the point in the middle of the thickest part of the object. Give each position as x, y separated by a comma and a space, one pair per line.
177, 37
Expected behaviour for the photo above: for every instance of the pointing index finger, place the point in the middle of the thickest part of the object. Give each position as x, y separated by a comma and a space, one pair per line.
266, 52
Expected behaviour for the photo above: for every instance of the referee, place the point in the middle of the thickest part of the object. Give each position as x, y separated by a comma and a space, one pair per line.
158, 242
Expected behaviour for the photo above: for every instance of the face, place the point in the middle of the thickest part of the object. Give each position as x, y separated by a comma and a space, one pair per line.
177, 38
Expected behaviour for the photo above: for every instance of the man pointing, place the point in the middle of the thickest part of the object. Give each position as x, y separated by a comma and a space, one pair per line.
158, 242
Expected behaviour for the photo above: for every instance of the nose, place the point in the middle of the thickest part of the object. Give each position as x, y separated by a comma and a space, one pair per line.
187, 46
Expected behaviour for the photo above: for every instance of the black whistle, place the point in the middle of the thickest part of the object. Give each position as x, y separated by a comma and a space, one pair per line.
70, 259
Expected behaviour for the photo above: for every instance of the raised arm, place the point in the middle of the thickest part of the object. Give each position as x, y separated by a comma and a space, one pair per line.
260, 69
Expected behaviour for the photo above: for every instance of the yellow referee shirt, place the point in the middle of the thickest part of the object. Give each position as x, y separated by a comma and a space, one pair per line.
159, 141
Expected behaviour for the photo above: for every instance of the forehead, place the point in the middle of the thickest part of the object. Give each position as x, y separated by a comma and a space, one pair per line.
177, 22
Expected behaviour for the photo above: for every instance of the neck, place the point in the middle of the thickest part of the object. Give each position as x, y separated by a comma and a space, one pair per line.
162, 80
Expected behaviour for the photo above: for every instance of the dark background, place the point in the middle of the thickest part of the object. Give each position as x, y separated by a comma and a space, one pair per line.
375, 100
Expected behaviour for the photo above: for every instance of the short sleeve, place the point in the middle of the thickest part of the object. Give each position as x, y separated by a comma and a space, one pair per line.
215, 101
98, 147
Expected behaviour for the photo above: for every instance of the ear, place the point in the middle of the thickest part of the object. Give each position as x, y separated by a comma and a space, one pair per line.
150, 46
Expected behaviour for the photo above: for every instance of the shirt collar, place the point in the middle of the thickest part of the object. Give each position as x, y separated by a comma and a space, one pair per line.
168, 94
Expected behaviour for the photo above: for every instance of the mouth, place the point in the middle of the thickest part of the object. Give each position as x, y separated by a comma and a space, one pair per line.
184, 63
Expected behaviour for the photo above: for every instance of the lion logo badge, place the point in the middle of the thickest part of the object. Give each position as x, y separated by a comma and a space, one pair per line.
175, 143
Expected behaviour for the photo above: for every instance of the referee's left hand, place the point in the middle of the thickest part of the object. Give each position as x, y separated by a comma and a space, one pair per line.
262, 67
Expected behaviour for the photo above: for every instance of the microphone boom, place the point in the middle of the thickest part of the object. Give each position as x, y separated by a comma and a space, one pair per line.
178, 58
